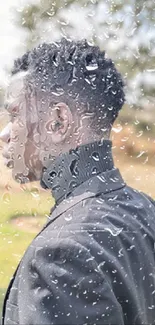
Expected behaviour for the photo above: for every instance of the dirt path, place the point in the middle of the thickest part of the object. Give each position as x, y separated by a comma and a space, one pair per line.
28, 223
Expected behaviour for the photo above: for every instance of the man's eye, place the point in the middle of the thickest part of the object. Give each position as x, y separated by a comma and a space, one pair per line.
13, 117
14, 112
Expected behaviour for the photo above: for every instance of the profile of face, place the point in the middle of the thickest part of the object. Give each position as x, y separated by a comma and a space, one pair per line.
33, 137
61, 95
18, 145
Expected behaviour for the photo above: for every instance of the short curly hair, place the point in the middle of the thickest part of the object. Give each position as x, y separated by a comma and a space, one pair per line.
80, 74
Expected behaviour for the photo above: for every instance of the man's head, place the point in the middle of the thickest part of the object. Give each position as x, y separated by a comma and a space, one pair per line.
60, 95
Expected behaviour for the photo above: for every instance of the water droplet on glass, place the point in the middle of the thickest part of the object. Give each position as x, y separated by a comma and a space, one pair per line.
140, 134
92, 65
7, 187
15, 139
120, 252
151, 307
63, 22
60, 272
94, 170
141, 154
136, 122
50, 13
95, 156
72, 185
114, 231
118, 129
73, 168
88, 81
34, 212
52, 174
145, 161
58, 91
100, 266
114, 92
56, 188
68, 218
35, 192
131, 247
110, 108
6, 198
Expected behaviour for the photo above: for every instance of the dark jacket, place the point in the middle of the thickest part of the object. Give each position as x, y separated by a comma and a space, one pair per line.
92, 263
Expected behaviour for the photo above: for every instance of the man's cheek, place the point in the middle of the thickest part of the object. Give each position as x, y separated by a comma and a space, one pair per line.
18, 154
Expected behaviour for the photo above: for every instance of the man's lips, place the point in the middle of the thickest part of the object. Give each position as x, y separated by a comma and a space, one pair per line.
6, 156
7, 152
8, 161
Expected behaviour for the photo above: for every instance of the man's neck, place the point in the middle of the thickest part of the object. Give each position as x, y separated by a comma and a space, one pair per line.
75, 167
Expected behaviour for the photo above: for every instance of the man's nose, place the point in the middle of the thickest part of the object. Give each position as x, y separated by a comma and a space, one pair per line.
5, 133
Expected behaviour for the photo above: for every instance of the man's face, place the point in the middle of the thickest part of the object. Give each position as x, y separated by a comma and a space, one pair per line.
20, 151
39, 130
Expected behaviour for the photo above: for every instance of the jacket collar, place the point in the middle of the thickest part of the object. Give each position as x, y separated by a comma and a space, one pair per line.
77, 166
104, 183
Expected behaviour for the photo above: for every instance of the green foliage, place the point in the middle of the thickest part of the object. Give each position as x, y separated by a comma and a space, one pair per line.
29, 17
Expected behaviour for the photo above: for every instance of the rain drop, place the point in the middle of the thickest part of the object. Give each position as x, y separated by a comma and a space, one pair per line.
35, 192
68, 218
6, 198
115, 231
92, 65
95, 156
118, 129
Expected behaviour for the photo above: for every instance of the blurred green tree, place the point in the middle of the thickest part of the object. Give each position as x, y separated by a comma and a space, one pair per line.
126, 29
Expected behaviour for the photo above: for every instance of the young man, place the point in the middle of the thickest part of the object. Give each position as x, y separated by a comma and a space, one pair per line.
94, 261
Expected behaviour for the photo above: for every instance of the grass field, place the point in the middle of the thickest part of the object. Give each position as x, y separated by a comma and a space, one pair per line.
13, 241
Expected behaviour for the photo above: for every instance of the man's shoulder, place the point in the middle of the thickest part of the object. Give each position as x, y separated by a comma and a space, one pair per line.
95, 220
94, 211
148, 197
85, 213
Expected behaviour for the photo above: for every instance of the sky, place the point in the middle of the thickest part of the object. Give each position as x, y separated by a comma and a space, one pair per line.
11, 37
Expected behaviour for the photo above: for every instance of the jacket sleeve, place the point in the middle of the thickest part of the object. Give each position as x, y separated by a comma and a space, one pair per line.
64, 285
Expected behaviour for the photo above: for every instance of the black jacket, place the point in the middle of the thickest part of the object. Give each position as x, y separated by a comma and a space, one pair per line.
94, 260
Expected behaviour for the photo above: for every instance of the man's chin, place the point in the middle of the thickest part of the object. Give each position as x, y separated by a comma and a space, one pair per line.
19, 177
23, 179
9, 163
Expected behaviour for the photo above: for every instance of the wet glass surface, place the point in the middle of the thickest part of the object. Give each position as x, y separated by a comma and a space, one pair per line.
62, 96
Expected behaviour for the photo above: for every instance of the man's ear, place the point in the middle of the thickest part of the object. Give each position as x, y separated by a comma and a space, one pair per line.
60, 123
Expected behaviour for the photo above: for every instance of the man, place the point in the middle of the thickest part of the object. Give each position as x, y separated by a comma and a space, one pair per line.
94, 261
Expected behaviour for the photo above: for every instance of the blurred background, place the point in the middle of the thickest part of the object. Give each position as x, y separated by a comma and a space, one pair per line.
126, 31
